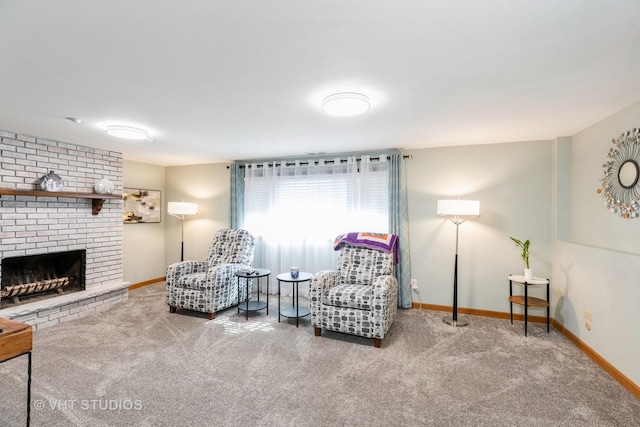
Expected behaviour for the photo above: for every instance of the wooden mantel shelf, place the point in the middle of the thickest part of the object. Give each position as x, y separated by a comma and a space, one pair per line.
97, 200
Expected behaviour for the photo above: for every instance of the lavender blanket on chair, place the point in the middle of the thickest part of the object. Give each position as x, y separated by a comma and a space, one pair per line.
380, 241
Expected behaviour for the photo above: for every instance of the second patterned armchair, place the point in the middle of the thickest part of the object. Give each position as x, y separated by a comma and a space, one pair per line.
361, 297
210, 286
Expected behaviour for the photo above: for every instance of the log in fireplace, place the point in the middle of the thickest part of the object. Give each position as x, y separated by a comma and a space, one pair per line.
31, 277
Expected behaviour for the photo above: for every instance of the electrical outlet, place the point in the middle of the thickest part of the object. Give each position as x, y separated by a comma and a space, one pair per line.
587, 315
414, 284
587, 325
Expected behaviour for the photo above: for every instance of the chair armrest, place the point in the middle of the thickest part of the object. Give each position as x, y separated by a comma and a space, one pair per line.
180, 269
385, 295
223, 275
323, 280
319, 284
226, 269
384, 286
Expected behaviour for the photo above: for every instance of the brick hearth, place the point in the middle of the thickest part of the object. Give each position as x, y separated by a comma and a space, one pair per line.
61, 308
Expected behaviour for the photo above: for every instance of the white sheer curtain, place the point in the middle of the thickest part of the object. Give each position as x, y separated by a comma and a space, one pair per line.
296, 209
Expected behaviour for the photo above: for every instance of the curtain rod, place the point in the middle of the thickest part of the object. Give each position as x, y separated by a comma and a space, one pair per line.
315, 162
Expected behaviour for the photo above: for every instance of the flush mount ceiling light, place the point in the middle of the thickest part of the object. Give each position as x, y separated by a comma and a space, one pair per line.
346, 104
126, 132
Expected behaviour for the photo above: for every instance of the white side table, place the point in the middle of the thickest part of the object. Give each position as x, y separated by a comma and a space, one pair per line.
525, 300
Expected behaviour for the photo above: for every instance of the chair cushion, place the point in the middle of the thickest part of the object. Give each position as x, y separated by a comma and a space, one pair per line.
231, 247
351, 296
360, 266
192, 281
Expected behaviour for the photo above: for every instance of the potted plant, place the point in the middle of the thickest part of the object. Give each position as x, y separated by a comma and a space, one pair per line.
528, 273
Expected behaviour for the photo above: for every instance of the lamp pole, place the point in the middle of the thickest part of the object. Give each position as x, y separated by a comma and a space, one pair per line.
182, 239
182, 210
453, 319
457, 211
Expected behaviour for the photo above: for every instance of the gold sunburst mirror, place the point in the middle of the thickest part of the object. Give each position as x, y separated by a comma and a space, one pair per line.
621, 172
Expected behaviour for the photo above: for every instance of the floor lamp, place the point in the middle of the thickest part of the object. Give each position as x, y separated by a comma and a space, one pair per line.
182, 210
458, 211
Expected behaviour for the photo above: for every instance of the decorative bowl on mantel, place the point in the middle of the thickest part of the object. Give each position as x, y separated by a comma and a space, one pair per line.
104, 186
51, 182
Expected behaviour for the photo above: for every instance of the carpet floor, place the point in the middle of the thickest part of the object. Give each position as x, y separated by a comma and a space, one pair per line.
139, 365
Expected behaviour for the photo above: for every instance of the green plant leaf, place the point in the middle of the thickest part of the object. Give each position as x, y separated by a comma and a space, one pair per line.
518, 242
525, 249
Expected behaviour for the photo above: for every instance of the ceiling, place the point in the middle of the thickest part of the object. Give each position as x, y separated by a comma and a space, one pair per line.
215, 81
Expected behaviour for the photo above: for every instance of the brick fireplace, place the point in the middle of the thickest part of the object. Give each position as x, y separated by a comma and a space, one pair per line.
37, 225
36, 277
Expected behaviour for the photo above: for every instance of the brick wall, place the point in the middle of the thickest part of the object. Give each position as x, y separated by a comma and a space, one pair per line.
35, 225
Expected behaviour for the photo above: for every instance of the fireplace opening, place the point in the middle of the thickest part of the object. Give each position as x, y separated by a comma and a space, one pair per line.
35, 277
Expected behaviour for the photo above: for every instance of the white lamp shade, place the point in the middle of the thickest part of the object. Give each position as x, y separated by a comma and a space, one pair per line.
464, 208
182, 208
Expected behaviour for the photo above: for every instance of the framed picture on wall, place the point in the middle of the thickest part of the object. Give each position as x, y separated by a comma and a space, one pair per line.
141, 206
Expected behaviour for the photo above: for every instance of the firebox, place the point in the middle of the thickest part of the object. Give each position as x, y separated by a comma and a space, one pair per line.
35, 277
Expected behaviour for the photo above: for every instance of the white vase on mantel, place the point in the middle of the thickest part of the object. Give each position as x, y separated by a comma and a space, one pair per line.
104, 186
528, 274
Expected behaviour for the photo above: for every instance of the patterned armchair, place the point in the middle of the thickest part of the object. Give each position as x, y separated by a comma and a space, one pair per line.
210, 286
360, 298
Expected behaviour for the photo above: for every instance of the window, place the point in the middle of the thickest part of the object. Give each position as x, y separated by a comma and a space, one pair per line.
295, 210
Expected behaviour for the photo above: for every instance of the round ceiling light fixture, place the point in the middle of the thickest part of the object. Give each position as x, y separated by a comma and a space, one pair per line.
346, 104
127, 132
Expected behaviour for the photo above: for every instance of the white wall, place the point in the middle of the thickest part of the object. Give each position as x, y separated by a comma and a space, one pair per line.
606, 283
591, 223
513, 183
143, 244
599, 268
208, 186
